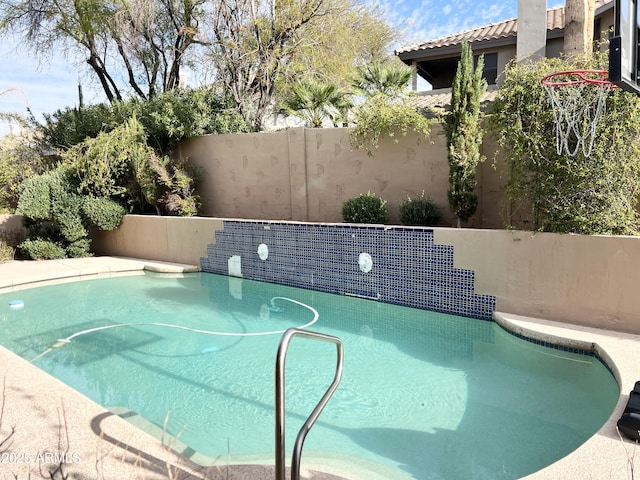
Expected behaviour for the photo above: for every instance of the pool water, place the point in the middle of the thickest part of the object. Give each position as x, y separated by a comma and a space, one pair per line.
423, 394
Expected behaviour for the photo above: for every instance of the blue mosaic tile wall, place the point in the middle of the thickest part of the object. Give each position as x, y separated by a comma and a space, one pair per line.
390, 264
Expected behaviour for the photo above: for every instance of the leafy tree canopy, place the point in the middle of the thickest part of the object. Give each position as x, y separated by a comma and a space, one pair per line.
167, 118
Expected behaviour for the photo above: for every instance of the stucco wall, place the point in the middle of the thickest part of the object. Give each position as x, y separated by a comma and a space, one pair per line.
169, 239
306, 174
584, 280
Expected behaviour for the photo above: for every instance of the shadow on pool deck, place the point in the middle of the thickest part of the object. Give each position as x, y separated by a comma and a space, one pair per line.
51, 420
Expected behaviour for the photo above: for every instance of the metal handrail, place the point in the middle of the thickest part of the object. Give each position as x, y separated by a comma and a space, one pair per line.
279, 400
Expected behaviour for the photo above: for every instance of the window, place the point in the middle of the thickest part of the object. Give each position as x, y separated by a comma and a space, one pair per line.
490, 71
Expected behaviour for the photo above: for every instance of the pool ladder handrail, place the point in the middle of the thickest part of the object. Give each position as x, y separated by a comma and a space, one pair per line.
279, 400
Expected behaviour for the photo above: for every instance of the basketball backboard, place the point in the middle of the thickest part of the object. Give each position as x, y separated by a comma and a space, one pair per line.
624, 54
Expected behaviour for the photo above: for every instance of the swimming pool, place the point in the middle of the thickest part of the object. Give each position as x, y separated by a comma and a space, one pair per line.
423, 395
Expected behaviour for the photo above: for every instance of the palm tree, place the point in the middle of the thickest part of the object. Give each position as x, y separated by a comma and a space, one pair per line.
388, 80
314, 103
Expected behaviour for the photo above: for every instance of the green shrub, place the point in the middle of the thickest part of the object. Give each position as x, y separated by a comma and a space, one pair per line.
35, 198
381, 117
420, 211
167, 118
57, 217
41, 249
103, 212
19, 160
595, 194
79, 248
365, 208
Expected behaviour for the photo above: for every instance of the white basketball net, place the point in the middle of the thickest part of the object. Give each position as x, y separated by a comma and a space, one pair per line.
577, 100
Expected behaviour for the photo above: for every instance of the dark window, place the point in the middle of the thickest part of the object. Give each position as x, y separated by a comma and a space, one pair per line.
490, 71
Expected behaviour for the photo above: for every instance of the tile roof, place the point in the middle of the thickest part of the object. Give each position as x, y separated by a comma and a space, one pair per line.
494, 31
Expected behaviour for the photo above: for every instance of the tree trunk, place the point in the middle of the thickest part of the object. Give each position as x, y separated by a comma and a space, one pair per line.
578, 27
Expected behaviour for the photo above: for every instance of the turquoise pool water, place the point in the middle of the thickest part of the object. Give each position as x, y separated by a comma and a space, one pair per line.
426, 395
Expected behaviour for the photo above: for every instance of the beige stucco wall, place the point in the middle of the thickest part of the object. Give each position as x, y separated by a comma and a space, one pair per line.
306, 174
584, 280
169, 239
579, 279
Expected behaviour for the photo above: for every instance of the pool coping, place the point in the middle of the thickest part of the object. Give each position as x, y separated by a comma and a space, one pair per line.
605, 455
104, 440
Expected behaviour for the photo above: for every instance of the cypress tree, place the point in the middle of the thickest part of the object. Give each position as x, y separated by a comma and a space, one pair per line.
464, 134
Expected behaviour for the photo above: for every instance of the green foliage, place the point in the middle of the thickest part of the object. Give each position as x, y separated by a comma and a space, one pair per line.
314, 103
420, 211
390, 80
42, 249
103, 212
121, 166
464, 134
57, 218
381, 117
167, 118
183, 113
365, 208
105, 165
590, 195
65, 128
19, 160
78, 248
386, 111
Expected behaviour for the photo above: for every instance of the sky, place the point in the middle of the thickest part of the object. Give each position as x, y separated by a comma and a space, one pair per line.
51, 84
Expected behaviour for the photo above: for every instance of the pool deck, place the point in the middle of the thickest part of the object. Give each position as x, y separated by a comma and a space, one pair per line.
55, 426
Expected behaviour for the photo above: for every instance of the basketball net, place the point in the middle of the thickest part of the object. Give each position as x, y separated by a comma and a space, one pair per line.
578, 99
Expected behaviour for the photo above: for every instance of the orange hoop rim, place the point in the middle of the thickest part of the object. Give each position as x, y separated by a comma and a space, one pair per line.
593, 77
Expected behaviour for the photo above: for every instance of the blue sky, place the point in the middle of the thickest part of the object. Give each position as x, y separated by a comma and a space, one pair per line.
52, 84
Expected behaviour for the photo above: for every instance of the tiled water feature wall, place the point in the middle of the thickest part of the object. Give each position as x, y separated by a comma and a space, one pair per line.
397, 265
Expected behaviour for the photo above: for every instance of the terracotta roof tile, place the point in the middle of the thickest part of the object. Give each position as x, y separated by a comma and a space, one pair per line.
504, 29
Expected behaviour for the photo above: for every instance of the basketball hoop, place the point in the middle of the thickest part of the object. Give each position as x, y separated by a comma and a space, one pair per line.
578, 98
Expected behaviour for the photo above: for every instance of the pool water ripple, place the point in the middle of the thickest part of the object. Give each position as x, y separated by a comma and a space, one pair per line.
426, 394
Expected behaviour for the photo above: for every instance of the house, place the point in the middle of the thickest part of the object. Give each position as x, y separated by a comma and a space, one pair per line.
436, 60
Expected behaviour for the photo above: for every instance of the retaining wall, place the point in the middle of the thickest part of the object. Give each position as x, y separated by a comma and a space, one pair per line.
584, 280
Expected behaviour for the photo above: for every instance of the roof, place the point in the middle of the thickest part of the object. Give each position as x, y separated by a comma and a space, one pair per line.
505, 30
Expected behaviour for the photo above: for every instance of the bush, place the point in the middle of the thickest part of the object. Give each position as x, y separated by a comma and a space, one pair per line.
420, 211
381, 117
365, 208
120, 165
103, 212
167, 118
79, 248
57, 218
19, 160
597, 194
41, 248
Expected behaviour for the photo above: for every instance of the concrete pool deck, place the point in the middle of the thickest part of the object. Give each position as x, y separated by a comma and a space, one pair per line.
54, 425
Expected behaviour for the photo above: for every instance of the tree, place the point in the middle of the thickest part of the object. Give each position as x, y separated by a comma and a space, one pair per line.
464, 134
390, 80
256, 46
147, 40
357, 35
315, 103
578, 29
